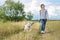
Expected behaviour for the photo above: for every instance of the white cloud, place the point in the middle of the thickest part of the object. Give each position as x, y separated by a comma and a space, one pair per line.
53, 11
32, 6
46, 2
2, 2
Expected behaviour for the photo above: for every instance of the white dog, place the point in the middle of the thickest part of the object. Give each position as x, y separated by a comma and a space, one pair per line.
27, 26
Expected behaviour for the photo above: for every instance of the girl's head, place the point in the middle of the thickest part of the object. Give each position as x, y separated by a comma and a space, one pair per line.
42, 6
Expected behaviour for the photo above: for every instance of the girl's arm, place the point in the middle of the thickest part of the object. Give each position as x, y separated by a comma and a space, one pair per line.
46, 14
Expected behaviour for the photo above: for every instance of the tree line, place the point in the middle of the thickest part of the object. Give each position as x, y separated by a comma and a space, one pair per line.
14, 11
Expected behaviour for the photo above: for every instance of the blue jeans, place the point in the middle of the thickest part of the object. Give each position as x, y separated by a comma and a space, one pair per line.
43, 22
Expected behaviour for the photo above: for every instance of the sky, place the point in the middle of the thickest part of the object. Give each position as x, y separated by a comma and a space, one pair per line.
52, 6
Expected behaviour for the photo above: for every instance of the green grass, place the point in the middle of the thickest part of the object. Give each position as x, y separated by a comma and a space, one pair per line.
14, 31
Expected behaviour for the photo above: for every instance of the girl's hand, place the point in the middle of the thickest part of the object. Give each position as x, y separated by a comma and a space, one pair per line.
46, 19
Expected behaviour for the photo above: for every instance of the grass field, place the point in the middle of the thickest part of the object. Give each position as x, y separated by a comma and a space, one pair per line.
14, 31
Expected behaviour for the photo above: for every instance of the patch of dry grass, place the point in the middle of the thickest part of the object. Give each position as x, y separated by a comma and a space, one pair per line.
14, 31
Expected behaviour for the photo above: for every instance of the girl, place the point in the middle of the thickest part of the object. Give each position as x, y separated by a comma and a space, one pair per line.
43, 17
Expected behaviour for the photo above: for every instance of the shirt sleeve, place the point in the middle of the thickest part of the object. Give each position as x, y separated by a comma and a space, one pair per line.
40, 12
46, 14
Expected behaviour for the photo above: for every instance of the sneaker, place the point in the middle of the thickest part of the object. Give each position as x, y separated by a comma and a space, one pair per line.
42, 32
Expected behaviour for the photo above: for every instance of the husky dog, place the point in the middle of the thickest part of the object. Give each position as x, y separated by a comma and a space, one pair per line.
27, 26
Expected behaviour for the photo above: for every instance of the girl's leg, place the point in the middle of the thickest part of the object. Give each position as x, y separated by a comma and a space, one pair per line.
43, 22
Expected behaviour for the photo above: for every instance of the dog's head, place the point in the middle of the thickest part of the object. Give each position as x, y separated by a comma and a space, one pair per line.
32, 23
